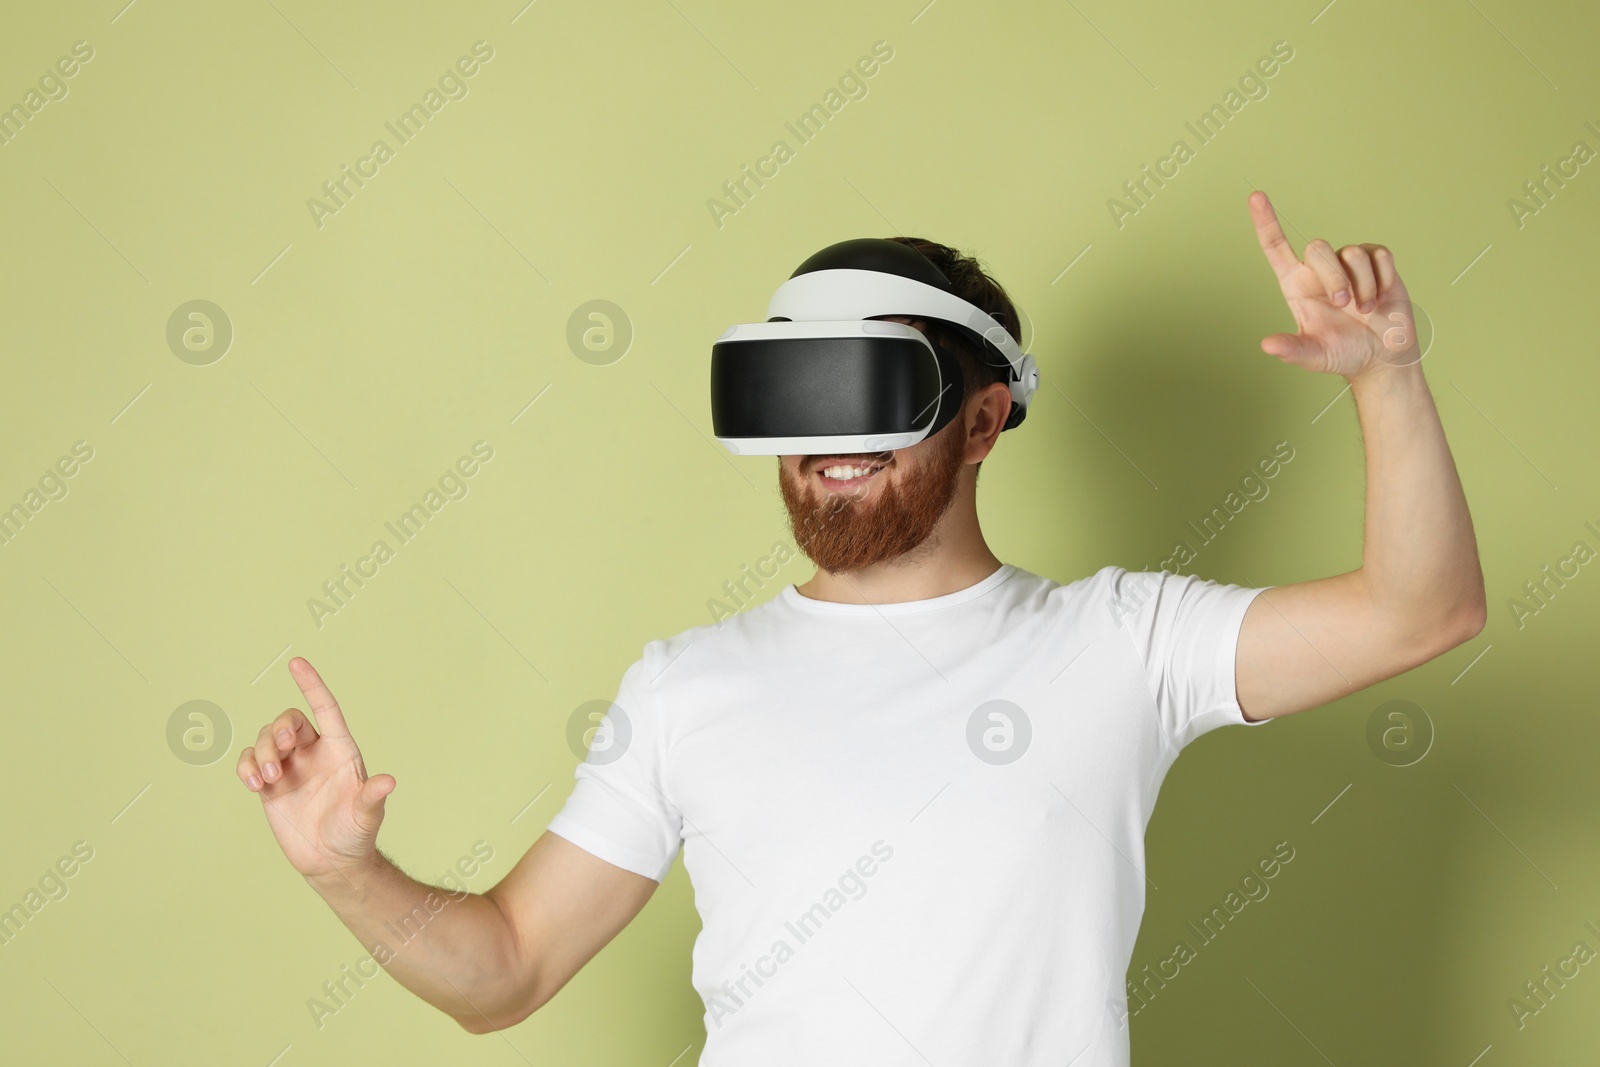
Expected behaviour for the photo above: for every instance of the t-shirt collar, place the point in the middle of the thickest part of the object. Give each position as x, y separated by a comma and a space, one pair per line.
795, 599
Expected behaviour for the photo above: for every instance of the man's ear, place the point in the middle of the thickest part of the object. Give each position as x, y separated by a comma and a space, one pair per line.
987, 411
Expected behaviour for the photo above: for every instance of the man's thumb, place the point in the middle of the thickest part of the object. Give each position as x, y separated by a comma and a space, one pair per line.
1292, 348
369, 799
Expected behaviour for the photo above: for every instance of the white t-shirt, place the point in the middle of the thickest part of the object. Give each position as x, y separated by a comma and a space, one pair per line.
915, 831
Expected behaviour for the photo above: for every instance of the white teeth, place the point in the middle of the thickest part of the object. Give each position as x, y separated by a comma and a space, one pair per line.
846, 473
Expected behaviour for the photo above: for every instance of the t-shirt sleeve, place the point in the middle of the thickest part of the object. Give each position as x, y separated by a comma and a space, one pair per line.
1186, 632
618, 809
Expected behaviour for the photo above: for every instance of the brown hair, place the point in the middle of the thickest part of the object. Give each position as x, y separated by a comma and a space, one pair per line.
973, 284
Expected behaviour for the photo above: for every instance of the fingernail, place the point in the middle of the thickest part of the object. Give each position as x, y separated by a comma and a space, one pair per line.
1367, 306
1341, 298
284, 738
255, 783
269, 771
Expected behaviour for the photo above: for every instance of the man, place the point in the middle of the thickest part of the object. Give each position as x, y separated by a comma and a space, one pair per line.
911, 793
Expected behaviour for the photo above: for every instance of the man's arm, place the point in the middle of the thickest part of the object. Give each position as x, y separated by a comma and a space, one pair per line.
488, 960
1419, 590
562, 905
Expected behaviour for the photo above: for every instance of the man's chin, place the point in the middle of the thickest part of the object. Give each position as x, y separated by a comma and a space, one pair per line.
858, 527
857, 500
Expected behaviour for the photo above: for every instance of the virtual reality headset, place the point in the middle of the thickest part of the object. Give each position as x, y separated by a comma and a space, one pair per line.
823, 376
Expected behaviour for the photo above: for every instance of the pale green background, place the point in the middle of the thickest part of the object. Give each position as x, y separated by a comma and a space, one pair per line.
424, 317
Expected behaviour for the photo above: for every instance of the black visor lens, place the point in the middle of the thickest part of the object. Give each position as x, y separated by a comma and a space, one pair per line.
824, 386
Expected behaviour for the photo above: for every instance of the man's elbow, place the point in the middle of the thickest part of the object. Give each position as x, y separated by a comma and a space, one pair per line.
531, 994
1475, 615
1478, 613
1465, 616
475, 1022
523, 989
1466, 623
1430, 639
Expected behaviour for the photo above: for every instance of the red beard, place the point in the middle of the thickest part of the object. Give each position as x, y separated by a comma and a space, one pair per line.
840, 533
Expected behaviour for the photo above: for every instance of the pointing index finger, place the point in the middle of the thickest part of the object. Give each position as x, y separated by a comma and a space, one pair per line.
330, 720
1276, 246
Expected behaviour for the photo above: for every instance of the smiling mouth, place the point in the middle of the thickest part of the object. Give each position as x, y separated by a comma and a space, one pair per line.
845, 473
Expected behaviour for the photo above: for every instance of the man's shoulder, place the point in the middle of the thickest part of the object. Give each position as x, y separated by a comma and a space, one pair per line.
1108, 596
1085, 588
718, 644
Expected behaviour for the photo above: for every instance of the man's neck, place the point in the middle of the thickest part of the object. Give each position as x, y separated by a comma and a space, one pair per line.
922, 574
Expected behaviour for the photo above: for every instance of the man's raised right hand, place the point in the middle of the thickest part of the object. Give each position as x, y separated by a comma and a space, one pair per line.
319, 802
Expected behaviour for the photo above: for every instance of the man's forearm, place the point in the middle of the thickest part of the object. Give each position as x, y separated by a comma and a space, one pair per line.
453, 949
1420, 557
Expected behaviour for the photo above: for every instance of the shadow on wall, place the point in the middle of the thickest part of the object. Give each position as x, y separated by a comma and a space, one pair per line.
1166, 412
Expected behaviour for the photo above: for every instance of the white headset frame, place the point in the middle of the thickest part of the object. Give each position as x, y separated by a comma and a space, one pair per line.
847, 293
